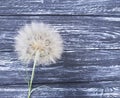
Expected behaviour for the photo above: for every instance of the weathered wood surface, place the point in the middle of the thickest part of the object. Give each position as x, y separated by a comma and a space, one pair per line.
89, 48
91, 57
78, 32
107, 89
90, 65
83, 66
71, 7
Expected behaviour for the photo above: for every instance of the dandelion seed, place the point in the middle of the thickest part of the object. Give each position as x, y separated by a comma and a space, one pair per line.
42, 38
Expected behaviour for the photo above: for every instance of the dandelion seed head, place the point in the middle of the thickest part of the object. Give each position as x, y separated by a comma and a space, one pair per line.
39, 38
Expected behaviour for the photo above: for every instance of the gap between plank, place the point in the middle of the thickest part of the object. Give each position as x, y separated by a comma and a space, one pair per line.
90, 15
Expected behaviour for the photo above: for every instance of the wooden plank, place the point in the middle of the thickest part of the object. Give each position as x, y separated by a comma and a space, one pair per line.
82, 66
77, 32
91, 49
69, 7
70, 90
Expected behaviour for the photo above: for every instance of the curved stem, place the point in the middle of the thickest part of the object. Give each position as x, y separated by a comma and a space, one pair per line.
32, 76
38, 88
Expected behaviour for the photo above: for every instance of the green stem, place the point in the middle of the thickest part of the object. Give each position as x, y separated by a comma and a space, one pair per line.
32, 76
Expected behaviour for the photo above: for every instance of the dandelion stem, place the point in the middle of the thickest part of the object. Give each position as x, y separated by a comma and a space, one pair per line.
32, 76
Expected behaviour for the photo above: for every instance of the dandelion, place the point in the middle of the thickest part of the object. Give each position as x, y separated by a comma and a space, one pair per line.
40, 43
41, 39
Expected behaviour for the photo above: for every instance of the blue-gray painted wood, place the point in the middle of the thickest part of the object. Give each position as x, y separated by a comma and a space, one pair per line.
71, 7
91, 56
78, 32
109, 89
83, 66
90, 65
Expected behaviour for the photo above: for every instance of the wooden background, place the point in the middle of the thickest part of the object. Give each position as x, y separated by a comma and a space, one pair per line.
90, 65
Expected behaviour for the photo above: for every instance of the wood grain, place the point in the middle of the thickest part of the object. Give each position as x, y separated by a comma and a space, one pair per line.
107, 89
69, 7
91, 50
77, 32
90, 64
83, 66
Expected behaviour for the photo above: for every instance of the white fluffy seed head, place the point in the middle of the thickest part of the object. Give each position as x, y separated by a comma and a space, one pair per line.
39, 38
